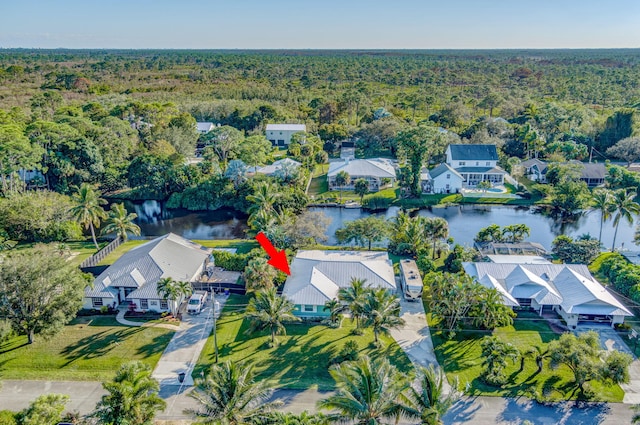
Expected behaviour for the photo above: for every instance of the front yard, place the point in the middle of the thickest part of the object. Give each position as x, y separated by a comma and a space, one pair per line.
301, 360
91, 348
461, 357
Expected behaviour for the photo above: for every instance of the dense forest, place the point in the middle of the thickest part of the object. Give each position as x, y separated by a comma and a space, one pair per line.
124, 120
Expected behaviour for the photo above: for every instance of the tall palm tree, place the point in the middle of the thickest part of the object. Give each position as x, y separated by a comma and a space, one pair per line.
625, 207
268, 310
434, 229
120, 222
369, 391
341, 180
132, 397
603, 202
172, 291
229, 395
87, 209
427, 400
381, 311
353, 297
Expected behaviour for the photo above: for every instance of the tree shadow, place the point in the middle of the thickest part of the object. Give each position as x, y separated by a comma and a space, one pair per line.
97, 345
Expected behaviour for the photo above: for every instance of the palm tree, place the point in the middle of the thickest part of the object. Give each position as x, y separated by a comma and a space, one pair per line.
636, 415
427, 400
434, 229
259, 275
87, 209
353, 297
625, 207
603, 202
264, 196
120, 222
381, 311
229, 395
268, 310
335, 308
341, 180
173, 291
132, 397
369, 391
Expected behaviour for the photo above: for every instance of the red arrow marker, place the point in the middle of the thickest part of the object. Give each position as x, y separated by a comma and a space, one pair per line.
278, 258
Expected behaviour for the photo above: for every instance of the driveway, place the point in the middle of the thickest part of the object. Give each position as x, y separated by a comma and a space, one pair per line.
185, 347
611, 340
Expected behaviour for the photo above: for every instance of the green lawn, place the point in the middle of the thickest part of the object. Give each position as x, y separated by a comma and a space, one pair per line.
90, 348
461, 357
80, 250
301, 359
242, 245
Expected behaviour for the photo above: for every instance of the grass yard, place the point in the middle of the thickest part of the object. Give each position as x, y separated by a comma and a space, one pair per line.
461, 357
301, 360
242, 245
80, 250
91, 348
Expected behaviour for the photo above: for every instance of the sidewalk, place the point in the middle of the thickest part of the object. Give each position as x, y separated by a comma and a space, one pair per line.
183, 350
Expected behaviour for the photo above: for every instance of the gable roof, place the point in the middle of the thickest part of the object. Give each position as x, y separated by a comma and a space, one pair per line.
584, 295
579, 292
473, 152
167, 256
204, 126
286, 127
317, 276
443, 168
375, 167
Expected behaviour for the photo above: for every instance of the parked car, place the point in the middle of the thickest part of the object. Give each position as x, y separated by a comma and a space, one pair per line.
197, 302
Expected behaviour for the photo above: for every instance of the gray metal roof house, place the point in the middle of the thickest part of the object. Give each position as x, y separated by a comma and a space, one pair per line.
567, 289
317, 276
133, 277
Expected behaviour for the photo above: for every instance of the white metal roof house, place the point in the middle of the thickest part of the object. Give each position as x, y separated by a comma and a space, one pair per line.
204, 127
374, 170
476, 163
133, 277
280, 134
317, 276
568, 289
278, 165
441, 179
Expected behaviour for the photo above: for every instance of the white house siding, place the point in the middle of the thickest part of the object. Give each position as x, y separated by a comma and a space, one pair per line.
152, 305
87, 303
282, 136
442, 184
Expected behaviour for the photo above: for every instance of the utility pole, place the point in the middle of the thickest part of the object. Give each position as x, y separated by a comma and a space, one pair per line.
216, 307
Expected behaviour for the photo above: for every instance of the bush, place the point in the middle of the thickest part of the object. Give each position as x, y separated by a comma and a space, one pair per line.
229, 261
376, 202
8, 417
349, 352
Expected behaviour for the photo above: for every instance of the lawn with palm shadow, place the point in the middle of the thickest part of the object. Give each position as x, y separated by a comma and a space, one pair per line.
300, 359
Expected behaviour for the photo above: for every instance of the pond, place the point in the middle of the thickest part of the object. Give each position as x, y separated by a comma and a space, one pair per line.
464, 222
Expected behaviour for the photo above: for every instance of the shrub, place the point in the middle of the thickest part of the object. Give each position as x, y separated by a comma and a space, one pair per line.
349, 352
8, 417
229, 261
376, 202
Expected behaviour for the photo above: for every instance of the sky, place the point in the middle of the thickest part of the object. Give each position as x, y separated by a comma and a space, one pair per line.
320, 24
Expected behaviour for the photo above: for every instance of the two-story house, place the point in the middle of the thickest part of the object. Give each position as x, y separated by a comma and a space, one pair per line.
476, 163
280, 134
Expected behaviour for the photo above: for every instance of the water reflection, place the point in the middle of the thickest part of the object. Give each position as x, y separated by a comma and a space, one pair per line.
464, 222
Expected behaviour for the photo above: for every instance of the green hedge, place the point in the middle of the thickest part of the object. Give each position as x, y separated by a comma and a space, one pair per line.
623, 275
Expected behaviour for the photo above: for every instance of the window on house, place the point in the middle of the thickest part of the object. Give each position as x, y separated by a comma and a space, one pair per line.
308, 308
96, 302
164, 304
462, 163
144, 304
477, 163
448, 176
488, 164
